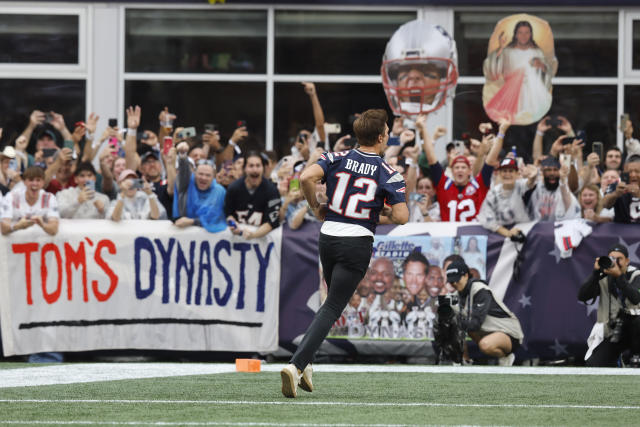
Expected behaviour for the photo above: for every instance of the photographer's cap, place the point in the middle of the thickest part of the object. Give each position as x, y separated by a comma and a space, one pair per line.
456, 270
618, 247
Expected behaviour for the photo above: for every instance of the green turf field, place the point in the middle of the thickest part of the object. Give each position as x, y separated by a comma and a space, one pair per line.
340, 398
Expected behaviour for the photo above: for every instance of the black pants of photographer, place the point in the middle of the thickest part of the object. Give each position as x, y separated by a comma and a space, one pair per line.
607, 352
344, 263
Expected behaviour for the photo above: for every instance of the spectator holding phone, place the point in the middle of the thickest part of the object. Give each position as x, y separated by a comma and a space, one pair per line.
547, 123
83, 201
625, 197
136, 200
30, 206
198, 198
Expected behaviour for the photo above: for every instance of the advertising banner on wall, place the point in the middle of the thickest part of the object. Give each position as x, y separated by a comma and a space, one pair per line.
138, 285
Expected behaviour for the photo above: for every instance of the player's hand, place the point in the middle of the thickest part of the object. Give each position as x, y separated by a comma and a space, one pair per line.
321, 211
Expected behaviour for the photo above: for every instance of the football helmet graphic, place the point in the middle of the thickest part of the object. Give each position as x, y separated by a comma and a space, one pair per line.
419, 68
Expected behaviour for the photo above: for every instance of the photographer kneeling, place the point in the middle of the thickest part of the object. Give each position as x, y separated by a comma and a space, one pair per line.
618, 285
486, 319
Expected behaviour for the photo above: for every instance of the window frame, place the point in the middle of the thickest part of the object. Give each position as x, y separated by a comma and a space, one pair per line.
40, 70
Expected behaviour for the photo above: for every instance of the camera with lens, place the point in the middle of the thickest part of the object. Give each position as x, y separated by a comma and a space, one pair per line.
448, 336
519, 238
605, 262
616, 328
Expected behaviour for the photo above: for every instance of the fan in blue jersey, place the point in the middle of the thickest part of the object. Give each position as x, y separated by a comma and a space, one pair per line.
359, 185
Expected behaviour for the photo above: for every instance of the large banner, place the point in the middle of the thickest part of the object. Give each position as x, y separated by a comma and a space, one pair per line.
138, 285
543, 295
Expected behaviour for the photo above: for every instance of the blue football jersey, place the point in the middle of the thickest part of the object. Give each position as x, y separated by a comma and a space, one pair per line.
358, 186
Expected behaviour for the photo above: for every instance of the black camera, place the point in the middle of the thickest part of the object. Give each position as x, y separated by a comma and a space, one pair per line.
605, 262
519, 238
448, 336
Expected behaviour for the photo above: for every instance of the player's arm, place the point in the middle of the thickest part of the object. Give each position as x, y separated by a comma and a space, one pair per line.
308, 180
399, 213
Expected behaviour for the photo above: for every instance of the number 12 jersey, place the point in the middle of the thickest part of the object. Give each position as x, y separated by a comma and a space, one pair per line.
358, 186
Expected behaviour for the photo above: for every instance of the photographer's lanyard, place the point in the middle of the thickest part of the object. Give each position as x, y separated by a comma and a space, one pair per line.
468, 304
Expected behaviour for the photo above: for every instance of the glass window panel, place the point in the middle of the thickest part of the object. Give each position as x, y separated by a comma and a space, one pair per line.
632, 107
318, 42
586, 44
636, 45
197, 103
339, 100
22, 96
588, 108
196, 41
38, 39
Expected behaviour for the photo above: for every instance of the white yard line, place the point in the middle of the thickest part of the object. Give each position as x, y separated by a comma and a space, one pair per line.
205, 423
318, 403
93, 372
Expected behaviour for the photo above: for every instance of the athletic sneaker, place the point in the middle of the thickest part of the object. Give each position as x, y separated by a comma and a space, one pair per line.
507, 360
305, 380
290, 379
634, 362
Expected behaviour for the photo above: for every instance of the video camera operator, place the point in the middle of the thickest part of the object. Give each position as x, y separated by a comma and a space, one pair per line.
618, 285
484, 317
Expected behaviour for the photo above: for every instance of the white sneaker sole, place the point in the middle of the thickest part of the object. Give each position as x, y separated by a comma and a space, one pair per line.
304, 384
288, 383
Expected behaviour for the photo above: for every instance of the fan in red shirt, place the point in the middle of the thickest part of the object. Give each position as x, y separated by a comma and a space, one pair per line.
461, 196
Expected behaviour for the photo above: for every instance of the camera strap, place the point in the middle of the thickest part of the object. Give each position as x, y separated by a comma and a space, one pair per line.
518, 261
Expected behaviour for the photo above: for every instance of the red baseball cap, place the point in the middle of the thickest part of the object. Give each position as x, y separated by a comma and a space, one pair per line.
462, 159
508, 163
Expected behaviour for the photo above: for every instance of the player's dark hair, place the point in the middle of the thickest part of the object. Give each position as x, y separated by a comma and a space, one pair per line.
369, 126
416, 256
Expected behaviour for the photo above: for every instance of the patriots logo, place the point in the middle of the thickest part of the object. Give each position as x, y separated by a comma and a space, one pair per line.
400, 190
470, 190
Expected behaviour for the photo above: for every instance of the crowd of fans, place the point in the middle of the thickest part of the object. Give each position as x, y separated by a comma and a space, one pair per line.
196, 179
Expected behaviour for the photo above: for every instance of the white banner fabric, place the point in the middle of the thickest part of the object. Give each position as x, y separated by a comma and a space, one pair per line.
138, 285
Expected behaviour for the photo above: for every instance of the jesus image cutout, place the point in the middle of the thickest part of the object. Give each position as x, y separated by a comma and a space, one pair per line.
518, 69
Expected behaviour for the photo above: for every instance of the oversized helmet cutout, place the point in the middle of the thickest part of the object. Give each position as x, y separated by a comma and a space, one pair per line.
419, 68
